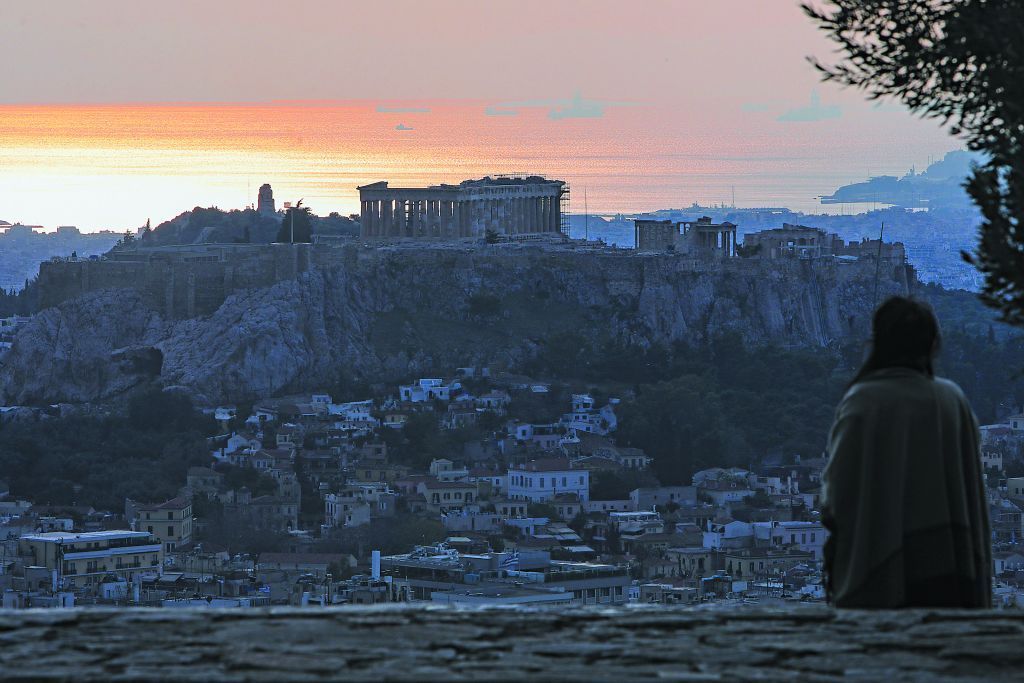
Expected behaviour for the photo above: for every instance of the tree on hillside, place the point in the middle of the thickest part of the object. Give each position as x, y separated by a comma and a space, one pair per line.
303, 225
958, 61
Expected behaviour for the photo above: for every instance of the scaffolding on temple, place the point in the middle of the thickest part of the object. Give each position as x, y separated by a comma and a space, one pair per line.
563, 211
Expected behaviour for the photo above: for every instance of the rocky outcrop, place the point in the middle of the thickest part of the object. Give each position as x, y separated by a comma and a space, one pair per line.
392, 313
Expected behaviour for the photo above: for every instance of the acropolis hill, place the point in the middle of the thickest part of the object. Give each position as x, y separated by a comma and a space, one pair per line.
231, 322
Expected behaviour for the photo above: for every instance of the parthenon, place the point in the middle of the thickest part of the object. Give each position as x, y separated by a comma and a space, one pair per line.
508, 206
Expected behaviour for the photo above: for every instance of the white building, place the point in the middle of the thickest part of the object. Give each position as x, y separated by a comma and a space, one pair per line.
807, 536
356, 504
542, 480
425, 390
732, 534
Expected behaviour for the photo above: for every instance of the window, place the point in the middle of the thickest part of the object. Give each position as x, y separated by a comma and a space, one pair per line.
564, 480
170, 515
170, 531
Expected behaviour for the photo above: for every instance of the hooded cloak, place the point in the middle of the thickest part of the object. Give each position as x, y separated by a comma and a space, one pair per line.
904, 499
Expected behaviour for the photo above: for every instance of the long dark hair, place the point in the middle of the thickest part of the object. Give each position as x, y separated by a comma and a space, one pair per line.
904, 334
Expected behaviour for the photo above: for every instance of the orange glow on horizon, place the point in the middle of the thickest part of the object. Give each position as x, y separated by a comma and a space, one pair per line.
117, 166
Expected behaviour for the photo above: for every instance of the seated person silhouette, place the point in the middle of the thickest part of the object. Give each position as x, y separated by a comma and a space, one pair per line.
904, 499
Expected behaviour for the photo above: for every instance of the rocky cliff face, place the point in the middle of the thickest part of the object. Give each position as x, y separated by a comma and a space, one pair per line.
390, 314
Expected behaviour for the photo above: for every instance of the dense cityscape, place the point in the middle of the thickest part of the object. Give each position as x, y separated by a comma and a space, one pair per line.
481, 485
579, 340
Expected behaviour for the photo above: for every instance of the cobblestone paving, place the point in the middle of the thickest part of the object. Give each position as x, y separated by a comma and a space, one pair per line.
404, 643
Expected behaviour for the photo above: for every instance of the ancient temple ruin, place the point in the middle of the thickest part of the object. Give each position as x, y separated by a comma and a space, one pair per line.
686, 237
507, 206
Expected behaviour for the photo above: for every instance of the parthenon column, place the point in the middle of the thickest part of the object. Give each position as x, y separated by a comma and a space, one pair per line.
385, 222
451, 225
555, 225
369, 220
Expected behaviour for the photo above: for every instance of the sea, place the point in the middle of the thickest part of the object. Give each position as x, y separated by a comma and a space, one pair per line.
117, 166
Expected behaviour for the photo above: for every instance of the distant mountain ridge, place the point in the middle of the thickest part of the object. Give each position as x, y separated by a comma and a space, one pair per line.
940, 185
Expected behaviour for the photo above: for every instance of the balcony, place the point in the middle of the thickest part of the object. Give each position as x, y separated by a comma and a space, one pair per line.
581, 644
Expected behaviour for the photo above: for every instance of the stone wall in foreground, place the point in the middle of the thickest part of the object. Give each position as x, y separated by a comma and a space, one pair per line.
404, 643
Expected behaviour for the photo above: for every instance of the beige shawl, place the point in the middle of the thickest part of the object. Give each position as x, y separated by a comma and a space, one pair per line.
904, 497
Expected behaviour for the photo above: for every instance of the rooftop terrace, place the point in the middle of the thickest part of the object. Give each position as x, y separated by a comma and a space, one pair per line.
423, 643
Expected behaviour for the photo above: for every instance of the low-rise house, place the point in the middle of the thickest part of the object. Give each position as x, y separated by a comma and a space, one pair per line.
991, 459
224, 414
605, 506
267, 513
567, 505
445, 496
542, 480
203, 480
237, 443
460, 417
425, 390
395, 419
357, 504
729, 534
1006, 561
492, 481
289, 436
84, 559
170, 521
495, 401
630, 524
750, 563
510, 508
649, 498
725, 491
544, 436
669, 593
806, 536
321, 403
444, 469
693, 561
466, 520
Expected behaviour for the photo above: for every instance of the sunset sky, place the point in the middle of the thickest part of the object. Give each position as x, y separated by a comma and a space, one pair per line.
727, 75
